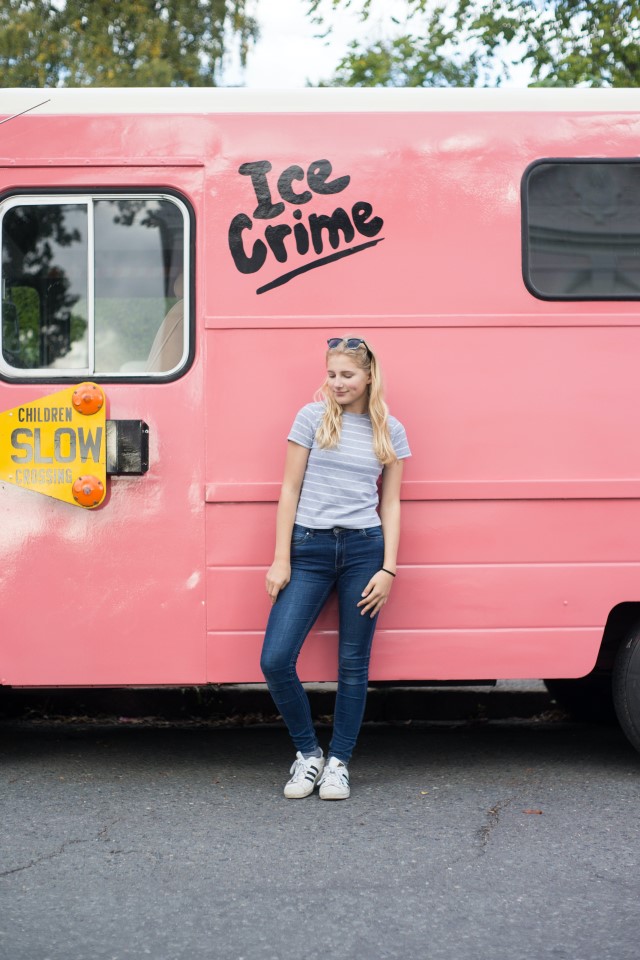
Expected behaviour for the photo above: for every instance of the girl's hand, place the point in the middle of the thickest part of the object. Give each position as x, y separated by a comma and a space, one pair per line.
376, 593
278, 576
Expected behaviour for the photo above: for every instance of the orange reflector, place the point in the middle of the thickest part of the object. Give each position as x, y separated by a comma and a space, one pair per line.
87, 398
88, 491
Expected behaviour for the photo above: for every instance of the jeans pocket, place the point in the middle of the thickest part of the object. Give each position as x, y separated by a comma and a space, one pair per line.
372, 533
300, 534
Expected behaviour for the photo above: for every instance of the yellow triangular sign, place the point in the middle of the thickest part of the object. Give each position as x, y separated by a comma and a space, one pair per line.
57, 445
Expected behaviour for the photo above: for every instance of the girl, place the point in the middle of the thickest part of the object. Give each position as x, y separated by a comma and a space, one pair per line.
329, 534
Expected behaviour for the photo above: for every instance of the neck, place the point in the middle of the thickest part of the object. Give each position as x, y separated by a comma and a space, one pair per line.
361, 406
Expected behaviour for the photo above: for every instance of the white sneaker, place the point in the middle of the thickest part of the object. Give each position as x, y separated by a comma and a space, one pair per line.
334, 782
306, 774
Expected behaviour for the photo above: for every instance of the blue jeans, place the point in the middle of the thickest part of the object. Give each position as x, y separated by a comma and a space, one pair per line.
320, 561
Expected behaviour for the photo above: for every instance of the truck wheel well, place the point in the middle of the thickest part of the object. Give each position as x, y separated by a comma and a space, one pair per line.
622, 619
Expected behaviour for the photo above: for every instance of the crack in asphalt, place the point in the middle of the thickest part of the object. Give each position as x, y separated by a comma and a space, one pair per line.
483, 835
101, 835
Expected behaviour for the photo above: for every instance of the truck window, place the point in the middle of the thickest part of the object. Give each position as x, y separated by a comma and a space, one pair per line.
581, 229
94, 285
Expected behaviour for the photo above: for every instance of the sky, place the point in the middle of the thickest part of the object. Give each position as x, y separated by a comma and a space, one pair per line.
288, 52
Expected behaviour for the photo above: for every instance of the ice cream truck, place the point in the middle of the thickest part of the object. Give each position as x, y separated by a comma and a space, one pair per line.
173, 262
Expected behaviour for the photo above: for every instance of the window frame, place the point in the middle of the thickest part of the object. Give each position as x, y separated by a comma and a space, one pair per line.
34, 196
524, 200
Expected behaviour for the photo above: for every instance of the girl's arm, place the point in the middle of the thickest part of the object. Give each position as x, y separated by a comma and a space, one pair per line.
279, 572
390, 513
376, 592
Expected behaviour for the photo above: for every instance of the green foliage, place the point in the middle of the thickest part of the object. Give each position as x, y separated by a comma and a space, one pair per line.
431, 58
478, 42
589, 42
403, 62
150, 43
21, 327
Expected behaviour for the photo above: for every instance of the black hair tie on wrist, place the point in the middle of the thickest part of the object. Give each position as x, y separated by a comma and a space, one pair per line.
384, 569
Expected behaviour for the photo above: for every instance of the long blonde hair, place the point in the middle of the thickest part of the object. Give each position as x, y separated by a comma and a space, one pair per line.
330, 426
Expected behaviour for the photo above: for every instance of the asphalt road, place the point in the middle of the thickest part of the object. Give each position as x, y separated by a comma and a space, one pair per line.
503, 840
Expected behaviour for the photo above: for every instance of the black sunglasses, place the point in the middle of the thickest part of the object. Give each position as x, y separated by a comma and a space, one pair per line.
352, 343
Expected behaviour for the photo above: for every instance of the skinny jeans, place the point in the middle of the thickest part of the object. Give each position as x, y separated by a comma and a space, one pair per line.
322, 560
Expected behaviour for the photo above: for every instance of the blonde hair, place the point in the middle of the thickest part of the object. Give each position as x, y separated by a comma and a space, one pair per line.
330, 426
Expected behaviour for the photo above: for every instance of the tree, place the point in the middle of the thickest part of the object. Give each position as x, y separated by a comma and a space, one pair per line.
82, 43
421, 46
477, 42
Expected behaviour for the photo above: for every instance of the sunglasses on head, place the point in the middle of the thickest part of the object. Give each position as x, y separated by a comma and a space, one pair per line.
351, 343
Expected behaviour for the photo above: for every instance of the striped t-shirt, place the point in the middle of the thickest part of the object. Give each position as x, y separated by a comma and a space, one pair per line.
340, 485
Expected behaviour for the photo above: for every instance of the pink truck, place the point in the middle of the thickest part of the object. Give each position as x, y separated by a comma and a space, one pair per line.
173, 262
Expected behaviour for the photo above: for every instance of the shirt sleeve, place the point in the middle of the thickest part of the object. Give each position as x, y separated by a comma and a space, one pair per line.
399, 441
304, 427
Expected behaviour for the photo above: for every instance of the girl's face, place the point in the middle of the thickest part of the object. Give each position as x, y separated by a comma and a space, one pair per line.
348, 383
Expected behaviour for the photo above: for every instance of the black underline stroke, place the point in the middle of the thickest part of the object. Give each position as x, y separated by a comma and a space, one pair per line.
316, 263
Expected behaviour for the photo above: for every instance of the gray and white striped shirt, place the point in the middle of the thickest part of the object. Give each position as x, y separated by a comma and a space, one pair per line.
340, 485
